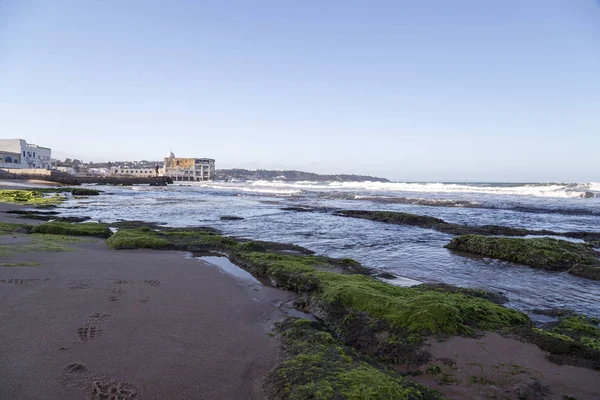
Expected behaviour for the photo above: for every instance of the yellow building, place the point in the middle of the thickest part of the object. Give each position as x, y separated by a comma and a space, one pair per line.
189, 169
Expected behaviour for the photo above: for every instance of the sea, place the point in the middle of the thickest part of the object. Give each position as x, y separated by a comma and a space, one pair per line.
413, 254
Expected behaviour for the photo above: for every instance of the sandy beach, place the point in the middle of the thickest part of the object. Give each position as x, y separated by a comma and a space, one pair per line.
154, 325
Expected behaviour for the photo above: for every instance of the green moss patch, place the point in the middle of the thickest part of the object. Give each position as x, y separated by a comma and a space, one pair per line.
318, 366
420, 311
141, 238
22, 264
39, 243
69, 229
84, 192
380, 319
30, 197
6, 228
574, 339
545, 253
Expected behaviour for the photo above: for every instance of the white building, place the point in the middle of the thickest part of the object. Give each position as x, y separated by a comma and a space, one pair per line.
189, 169
17, 153
68, 170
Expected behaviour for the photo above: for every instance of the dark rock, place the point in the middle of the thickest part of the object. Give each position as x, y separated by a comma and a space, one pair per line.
72, 219
230, 218
299, 209
85, 192
386, 275
400, 218
531, 389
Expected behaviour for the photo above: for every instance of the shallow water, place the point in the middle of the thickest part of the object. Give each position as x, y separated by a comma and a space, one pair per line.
410, 252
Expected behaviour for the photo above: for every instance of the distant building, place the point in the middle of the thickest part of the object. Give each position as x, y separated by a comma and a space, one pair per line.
68, 170
133, 171
189, 169
17, 153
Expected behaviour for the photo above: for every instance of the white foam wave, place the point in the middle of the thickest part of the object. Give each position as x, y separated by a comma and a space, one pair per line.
594, 186
556, 190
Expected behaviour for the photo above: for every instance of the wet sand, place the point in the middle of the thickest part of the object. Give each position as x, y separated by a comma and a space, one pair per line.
498, 367
148, 322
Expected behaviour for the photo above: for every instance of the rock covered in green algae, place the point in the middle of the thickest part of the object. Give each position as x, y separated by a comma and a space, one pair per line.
574, 339
318, 366
423, 221
30, 197
545, 253
73, 229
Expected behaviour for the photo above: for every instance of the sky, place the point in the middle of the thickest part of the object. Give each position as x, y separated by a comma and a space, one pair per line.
430, 90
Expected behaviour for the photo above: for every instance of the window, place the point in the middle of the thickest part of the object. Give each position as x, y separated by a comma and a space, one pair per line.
23, 153
34, 153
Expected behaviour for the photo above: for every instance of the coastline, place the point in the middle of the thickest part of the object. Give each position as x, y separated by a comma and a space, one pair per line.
118, 275
164, 325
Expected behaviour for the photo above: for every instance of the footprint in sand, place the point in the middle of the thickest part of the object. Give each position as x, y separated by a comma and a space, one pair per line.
92, 327
80, 286
17, 281
152, 282
112, 389
77, 375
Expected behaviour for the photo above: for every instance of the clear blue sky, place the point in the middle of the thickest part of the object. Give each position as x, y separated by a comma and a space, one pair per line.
419, 90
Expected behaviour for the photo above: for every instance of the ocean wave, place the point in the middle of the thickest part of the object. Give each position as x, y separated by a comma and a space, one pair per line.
549, 190
557, 190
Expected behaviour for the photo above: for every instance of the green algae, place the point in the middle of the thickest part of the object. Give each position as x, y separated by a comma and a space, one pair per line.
144, 238
22, 264
30, 198
574, 339
421, 311
70, 229
38, 243
84, 192
6, 228
318, 366
554, 335
545, 253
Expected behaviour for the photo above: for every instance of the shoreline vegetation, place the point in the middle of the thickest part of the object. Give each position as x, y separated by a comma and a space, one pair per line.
364, 326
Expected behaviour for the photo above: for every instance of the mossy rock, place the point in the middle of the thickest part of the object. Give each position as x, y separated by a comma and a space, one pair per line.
494, 297
545, 253
134, 224
6, 228
423, 221
85, 192
381, 319
140, 238
574, 340
71, 229
30, 197
392, 217
274, 247
318, 366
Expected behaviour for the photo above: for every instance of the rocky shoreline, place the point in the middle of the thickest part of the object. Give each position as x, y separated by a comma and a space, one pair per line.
365, 325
